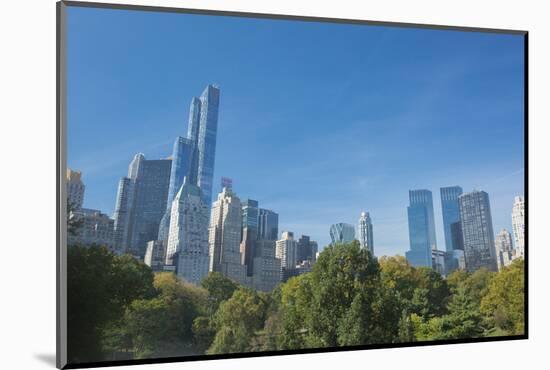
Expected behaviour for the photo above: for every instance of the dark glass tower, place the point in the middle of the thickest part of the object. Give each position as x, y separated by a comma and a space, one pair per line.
268, 225
421, 228
477, 231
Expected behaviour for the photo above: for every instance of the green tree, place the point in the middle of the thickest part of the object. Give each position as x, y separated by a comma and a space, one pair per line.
219, 289
99, 287
504, 303
237, 320
431, 294
162, 326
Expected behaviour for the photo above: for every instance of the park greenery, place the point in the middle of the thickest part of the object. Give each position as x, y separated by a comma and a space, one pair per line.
119, 309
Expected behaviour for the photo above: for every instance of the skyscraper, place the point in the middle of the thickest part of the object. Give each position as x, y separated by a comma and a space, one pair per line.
225, 235
249, 233
286, 251
477, 231
141, 203
182, 154
188, 237
451, 213
365, 232
503, 246
307, 249
421, 228
342, 233
268, 225
75, 189
207, 132
518, 226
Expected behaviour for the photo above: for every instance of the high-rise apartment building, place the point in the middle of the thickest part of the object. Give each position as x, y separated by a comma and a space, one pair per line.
421, 228
188, 247
365, 232
75, 189
503, 248
342, 233
477, 231
286, 251
518, 226
225, 236
141, 203
451, 213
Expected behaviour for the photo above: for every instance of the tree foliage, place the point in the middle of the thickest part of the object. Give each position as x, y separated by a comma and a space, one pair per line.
118, 308
504, 303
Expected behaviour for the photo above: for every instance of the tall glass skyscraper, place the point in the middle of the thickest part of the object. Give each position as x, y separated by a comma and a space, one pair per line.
421, 228
268, 225
451, 213
208, 130
477, 231
249, 233
182, 154
342, 233
365, 232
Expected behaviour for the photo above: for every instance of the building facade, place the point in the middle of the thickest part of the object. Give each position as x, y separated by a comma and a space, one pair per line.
182, 154
155, 255
249, 233
75, 189
141, 203
188, 247
503, 248
266, 266
477, 231
268, 225
286, 251
307, 249
342, 233
518, 226
365, 232
207, 133
421, 228
451, 213
225, 236
94, 228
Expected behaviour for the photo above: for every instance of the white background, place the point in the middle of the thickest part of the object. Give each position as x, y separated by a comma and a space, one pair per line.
27, 182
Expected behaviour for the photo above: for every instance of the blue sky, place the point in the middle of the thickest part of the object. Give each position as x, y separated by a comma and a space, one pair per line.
317, 121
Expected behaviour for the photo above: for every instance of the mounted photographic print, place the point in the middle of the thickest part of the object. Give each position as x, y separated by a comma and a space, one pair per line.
235, 184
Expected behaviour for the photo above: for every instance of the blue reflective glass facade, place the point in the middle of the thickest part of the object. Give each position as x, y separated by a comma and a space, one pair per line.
422, 239
208, 129
451, 213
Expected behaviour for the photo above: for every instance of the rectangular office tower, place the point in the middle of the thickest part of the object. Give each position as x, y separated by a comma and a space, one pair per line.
451, 213
477, 231
422, 240
141, 203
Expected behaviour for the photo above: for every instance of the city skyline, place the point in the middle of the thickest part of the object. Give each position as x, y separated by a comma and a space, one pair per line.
286, 131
